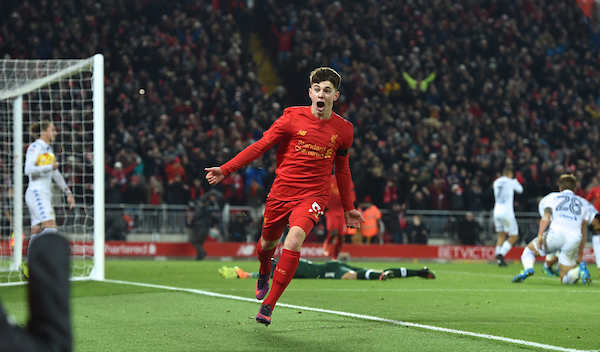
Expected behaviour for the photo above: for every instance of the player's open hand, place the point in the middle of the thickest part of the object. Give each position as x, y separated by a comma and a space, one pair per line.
214, 175
354, 219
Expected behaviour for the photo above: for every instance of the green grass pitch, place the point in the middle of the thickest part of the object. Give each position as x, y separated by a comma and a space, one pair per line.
187, 306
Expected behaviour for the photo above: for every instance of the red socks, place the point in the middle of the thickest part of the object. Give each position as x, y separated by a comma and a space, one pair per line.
283, 274
265, 258
338, 247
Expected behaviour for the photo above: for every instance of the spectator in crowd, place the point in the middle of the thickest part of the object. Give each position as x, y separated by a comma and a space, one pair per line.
113, 194
238, 227
417, 231
284, 43
120, 173
116, 226
175, 169
469, 230
154, 191
396, 223
177, 191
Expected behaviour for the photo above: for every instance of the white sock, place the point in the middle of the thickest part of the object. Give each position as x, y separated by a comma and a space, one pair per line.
506, 246
498, 250
527, 258
571, 277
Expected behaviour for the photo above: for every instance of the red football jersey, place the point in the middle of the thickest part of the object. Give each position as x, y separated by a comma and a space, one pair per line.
308, 149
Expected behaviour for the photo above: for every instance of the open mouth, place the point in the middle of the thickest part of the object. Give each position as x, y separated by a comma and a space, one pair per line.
320, 104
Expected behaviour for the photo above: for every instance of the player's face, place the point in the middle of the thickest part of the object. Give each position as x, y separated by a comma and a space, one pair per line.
322, 95
49, 134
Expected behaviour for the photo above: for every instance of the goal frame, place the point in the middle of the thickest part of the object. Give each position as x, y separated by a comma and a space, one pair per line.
16, 94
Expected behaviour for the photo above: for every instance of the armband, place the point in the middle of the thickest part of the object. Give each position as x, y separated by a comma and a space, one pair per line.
342, 152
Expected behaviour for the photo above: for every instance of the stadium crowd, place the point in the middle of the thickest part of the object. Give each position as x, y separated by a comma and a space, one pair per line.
443, 95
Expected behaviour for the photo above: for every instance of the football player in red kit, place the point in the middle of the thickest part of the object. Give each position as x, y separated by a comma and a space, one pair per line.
336, 224
312, 139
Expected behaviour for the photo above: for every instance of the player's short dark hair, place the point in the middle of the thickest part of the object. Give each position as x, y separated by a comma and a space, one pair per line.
323, 74
567, 181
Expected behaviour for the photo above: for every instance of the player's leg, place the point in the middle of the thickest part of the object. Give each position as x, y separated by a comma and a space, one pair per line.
570, 272
404, 272
528, 260
596, 243
550, 260
512, 230
275, 220
302, 219
499, 226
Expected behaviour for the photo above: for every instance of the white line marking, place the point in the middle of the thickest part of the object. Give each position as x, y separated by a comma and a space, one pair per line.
358, 316
434, 290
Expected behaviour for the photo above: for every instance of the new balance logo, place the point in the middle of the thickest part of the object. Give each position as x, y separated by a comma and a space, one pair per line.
302, 133
246, 250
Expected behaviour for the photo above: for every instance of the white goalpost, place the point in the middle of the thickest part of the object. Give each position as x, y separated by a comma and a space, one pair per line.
70, 93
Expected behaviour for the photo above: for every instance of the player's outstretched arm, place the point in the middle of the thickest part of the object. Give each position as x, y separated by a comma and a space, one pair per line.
354, 219
214, 175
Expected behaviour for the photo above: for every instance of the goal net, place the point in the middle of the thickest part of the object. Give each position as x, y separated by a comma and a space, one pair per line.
70, 93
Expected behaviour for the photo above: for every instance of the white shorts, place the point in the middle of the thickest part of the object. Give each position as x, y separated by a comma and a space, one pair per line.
596, 243
506, 223
40, 205
566, 242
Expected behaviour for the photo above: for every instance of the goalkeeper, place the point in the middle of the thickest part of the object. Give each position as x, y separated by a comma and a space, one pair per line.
334, 269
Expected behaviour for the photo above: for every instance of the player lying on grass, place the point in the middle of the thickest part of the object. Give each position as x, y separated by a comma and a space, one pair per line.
334, 269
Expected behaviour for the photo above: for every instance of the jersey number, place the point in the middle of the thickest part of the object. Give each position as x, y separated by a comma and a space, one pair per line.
574, 205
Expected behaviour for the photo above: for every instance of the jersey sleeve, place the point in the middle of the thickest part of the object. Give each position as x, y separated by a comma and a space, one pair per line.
30, 158
270, 138
591, 213
342, 172
518, 187
542, 205
60, 181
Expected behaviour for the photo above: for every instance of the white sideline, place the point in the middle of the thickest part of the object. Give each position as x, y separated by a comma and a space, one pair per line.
358, 316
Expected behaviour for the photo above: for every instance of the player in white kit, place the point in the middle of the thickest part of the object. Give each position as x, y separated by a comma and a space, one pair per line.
505, 221
565, 216
595, 232
41, 167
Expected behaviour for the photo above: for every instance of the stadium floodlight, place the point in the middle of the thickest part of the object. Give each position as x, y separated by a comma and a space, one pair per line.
70, 92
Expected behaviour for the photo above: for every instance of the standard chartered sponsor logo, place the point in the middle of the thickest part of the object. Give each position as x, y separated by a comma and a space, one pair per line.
314, 150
